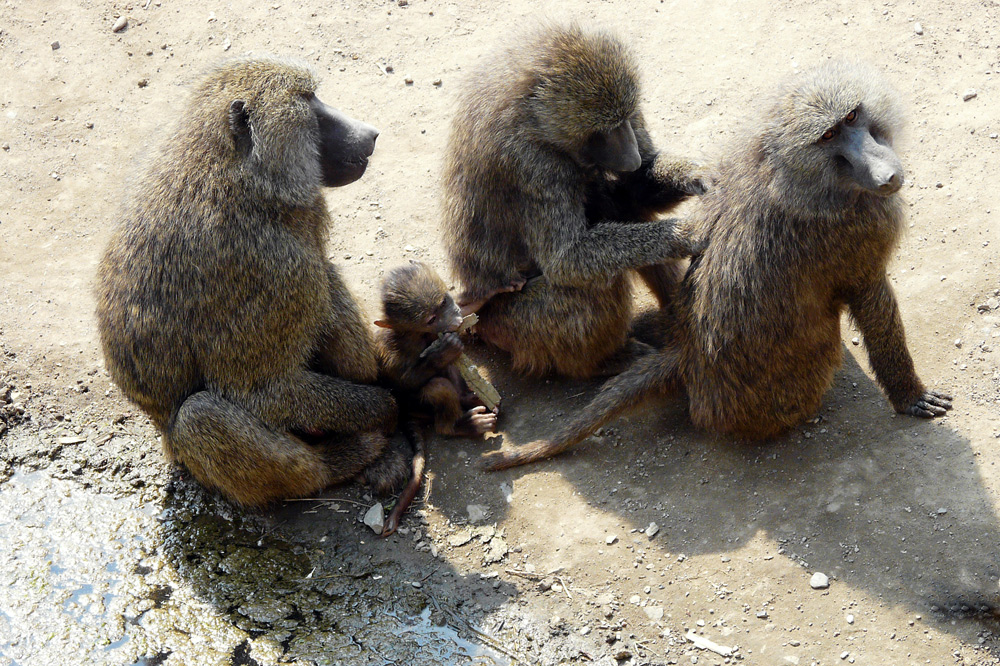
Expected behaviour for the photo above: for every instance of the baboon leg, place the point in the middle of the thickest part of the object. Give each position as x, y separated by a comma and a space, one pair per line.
624, 358
226, 447
877, 314
571, 331
390, 470
663, 279
649, 327
650, 375
346, 345
450, 417
313, 402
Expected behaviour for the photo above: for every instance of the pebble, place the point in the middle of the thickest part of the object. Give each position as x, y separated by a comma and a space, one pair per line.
611, 539
652, 529
437, 82
942, 511
994, 135
417, 584
120, 24
850, 619
819, 581
55, 46
375, 518
408, 81
654, 613
762, 615
844, 655
969, 94
635, 599
460, 539
142, 83
958, 342
855, 341
917, 28
477, 512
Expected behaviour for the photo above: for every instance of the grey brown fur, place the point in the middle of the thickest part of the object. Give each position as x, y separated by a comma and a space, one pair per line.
417, 348
796, 233
219, 313
522, 200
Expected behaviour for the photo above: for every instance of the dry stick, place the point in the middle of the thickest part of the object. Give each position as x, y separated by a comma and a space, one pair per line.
470, 373
706, 644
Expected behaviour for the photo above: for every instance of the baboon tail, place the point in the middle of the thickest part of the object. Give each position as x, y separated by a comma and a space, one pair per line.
648, 375
415, 437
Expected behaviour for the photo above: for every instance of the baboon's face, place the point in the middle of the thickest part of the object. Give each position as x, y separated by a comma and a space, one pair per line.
615, 149
345, 144
862, 154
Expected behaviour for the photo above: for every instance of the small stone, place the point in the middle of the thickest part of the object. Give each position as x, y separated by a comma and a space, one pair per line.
477, 512
55, 46
942, 511
652, 529
417, 584
994, 135
72, 439
611, 539
408, 81
583, 630
969, 94
120, 24
654, 613
761, 615
437, 82
226, 45
6, 147
794, 643
844, 655
917, 28
460, 539
142, 83
850, 619
819, 581
958, 342
375, 518
855, 341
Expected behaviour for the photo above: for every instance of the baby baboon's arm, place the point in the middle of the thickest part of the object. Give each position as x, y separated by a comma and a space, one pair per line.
875, 310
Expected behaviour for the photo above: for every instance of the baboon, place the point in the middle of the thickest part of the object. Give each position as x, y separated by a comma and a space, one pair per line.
551, 177
800, 225
219, 313
418, 347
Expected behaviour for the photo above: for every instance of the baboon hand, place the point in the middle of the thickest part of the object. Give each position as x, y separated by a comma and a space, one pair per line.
444, 351
928, 405
699, 182
477, 421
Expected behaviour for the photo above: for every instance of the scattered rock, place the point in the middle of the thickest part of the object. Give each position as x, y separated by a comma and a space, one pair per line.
969, 94
942, 511
477, 512
611, 539
408, 81
142, 83
958, 342
72, 439
496, 551
761, 615
917, 28
120, 24
55, 46
652, 529
850, 619
654, 613
437, 82
375, 518
460, 539
819, 581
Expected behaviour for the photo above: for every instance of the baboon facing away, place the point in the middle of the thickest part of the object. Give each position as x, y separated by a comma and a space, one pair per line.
800, 226
547, 150
219, 313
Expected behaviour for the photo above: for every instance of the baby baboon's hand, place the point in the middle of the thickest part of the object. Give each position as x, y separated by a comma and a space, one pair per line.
928, 405
444, 351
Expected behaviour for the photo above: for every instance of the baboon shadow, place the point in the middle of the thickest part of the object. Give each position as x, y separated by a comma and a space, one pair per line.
306, 580
893, 505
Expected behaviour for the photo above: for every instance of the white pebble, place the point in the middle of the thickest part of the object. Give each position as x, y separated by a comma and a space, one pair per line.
375, 518
611, 539
120, 24
969, 94
819, 581
850, 619
917, 28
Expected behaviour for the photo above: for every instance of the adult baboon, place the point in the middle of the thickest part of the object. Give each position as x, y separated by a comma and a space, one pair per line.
800, 226
219, 313
548, 144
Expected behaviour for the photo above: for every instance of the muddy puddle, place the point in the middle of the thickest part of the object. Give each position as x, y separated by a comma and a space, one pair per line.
146, 579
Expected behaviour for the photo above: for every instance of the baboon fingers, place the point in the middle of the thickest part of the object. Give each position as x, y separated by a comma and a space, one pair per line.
939, 398
929, 406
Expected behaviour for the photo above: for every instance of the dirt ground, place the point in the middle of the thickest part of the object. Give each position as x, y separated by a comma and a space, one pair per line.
110, 556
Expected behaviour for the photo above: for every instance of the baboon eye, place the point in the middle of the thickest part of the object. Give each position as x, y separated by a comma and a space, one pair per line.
829, 134
851, 117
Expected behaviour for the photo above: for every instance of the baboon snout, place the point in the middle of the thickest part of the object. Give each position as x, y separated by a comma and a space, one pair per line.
890, 184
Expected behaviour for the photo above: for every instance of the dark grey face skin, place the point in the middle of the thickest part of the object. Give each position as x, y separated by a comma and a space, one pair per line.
865, 160
615, 150
447, 318
345, 144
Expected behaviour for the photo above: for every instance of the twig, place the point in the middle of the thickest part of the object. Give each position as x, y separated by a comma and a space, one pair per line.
706, 644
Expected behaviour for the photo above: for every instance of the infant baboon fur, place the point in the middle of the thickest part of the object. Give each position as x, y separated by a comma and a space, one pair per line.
418, 347
220, 315
800, 225
550, 174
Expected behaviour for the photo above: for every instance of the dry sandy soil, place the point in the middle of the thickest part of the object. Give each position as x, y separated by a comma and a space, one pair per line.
902, 514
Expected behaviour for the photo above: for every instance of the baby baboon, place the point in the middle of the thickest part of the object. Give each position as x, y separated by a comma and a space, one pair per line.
220, 315
417, 350
801, 224
550, 174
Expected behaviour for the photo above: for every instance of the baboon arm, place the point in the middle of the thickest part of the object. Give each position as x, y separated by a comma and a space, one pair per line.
347, 345
664, 180
571, 254
316, 402
876, 312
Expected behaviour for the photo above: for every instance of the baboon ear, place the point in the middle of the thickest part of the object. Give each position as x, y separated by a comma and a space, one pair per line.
239, 125
382, 323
